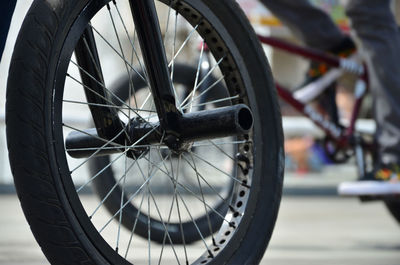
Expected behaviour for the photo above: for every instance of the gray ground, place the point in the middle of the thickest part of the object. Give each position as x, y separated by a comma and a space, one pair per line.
310, 230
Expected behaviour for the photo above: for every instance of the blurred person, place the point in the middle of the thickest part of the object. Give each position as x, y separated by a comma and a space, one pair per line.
374, 24
6, 11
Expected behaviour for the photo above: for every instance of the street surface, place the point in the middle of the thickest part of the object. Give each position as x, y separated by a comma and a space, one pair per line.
310, 230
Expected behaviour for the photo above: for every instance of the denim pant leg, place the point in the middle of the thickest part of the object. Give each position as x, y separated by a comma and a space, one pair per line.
375, 25
310, 24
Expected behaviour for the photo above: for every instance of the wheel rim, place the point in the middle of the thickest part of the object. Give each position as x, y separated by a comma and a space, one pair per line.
210, 247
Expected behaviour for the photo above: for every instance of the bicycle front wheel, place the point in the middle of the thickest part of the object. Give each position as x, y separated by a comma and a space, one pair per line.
68, 49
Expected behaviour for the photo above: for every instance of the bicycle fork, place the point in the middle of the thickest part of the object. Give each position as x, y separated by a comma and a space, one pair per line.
174, 129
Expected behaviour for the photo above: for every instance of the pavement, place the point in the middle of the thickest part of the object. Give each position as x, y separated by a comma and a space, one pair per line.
310, 230
318, 183
331, 230
315, 226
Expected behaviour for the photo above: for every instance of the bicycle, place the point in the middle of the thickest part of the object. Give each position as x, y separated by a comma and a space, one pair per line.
342, 140
57, 62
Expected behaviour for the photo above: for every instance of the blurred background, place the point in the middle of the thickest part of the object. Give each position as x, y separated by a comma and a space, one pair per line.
315, 225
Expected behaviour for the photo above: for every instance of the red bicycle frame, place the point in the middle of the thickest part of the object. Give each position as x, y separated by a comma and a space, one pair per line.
336, 133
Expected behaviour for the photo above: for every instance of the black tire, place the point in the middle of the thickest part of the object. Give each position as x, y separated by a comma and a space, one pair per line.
58, 215
185, 76
394, 208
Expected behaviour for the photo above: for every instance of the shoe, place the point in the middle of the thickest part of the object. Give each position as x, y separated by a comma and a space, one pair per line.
383, 182
344, 49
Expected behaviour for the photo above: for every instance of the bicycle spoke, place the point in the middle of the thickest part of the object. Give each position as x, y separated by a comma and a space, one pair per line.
167, 23
222, 151
122, 201
96, 63
202, 196
107, 106
193, 193
116, 145
200, 144
124, 205
131, 42
189, 190
166, 233
170, 210
197, 75
134, 226
123, 153
99, 73
98, 150
113, 94
213, 102
146, 100
220, 170
94, 92
110, 148
99, 173
179, 216
184, 43
159, 213
173, 59
119, 55
113, 188
148, 223
176, 192
123, 55
130, 198
194, 222
208, 88
202, 81
108, 90
208, 206
136, 113
211, 71
205, 181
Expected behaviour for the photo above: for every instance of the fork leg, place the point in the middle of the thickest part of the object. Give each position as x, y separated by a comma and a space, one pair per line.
149, 34
106, 120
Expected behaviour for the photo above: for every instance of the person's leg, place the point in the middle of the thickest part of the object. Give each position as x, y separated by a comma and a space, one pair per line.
309, 23
6, 12
315, 28
376, 27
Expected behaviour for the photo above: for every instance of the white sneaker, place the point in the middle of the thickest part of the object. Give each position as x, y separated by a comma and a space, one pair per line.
383, 183
369, 188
